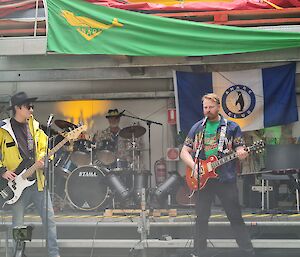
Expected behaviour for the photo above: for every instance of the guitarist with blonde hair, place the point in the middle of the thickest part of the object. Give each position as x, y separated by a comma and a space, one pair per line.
23, 143
210, 137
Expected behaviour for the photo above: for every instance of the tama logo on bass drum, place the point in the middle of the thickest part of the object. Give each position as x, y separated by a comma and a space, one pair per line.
87, 174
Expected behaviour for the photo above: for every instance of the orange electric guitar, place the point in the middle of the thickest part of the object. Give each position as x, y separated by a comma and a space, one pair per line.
208, 167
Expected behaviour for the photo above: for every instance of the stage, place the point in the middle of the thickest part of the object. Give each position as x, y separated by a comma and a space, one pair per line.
166, 233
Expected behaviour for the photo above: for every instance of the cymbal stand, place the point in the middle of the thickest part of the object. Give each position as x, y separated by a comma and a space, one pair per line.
148, 122
133, 145
91, 153
133, 159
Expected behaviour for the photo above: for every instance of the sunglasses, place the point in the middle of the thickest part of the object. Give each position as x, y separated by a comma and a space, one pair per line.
29, 106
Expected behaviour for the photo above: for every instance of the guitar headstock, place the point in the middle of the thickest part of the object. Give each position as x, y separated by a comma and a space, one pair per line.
74, 134
258, 146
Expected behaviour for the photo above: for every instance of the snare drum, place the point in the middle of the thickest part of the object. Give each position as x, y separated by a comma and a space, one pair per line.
86, 189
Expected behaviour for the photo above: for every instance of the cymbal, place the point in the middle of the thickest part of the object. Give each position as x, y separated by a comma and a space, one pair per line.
135, 131
63, 124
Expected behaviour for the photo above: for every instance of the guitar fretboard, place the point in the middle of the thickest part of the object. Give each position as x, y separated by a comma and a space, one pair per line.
229, 158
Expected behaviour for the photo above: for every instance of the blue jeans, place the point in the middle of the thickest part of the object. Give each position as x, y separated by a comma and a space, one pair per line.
31, 194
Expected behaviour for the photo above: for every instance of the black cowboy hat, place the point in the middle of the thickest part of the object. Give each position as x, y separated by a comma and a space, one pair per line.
19, 99
113, 113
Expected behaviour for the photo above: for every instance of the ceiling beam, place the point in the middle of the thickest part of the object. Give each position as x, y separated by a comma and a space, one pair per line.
85, 74
105, 96
57, 61
130, 73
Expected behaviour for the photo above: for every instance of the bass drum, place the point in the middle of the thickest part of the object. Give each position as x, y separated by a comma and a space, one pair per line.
86, 189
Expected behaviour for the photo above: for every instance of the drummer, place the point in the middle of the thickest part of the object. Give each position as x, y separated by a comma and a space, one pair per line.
109, 137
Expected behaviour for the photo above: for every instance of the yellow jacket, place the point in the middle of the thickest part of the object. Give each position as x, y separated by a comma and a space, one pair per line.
10, 155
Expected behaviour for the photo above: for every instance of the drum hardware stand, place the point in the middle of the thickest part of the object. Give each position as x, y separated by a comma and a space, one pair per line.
62, 202
54, 196
148, 122
133, 143
134, 148
91, 153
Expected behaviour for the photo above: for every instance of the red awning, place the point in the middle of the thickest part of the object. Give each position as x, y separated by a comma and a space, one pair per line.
192, 5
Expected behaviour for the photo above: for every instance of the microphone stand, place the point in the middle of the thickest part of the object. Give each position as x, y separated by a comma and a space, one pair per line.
197, 167
46, 174
148, 122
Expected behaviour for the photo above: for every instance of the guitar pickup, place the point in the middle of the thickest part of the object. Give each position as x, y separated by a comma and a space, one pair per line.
3, 194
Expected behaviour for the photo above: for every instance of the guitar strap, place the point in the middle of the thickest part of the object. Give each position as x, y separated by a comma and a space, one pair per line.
221, 140
222, 137
31, 148
200, 140
30, 143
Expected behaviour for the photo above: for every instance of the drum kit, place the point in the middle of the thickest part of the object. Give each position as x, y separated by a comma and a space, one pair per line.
90, 175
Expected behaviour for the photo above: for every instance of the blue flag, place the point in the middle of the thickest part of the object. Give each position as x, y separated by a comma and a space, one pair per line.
254, 99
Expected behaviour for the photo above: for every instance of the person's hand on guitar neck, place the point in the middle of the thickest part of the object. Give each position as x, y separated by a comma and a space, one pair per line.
9, 175
242, 153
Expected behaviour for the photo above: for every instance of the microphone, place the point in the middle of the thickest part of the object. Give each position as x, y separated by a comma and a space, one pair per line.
50, 120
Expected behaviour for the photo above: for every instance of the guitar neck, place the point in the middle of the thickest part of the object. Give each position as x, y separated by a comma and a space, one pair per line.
29, 172
224, 160
228, 158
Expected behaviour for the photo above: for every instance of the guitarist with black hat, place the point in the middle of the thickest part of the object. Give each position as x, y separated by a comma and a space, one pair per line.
23, 143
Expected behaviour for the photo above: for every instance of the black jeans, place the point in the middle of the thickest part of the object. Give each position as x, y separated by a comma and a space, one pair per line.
228, 195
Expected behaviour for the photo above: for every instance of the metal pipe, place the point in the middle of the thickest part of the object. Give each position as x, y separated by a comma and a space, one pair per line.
36, 14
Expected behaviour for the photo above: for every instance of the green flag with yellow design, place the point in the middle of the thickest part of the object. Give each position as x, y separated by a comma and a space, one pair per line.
78, 27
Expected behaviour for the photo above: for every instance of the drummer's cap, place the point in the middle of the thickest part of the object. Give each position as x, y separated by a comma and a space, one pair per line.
113, 113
